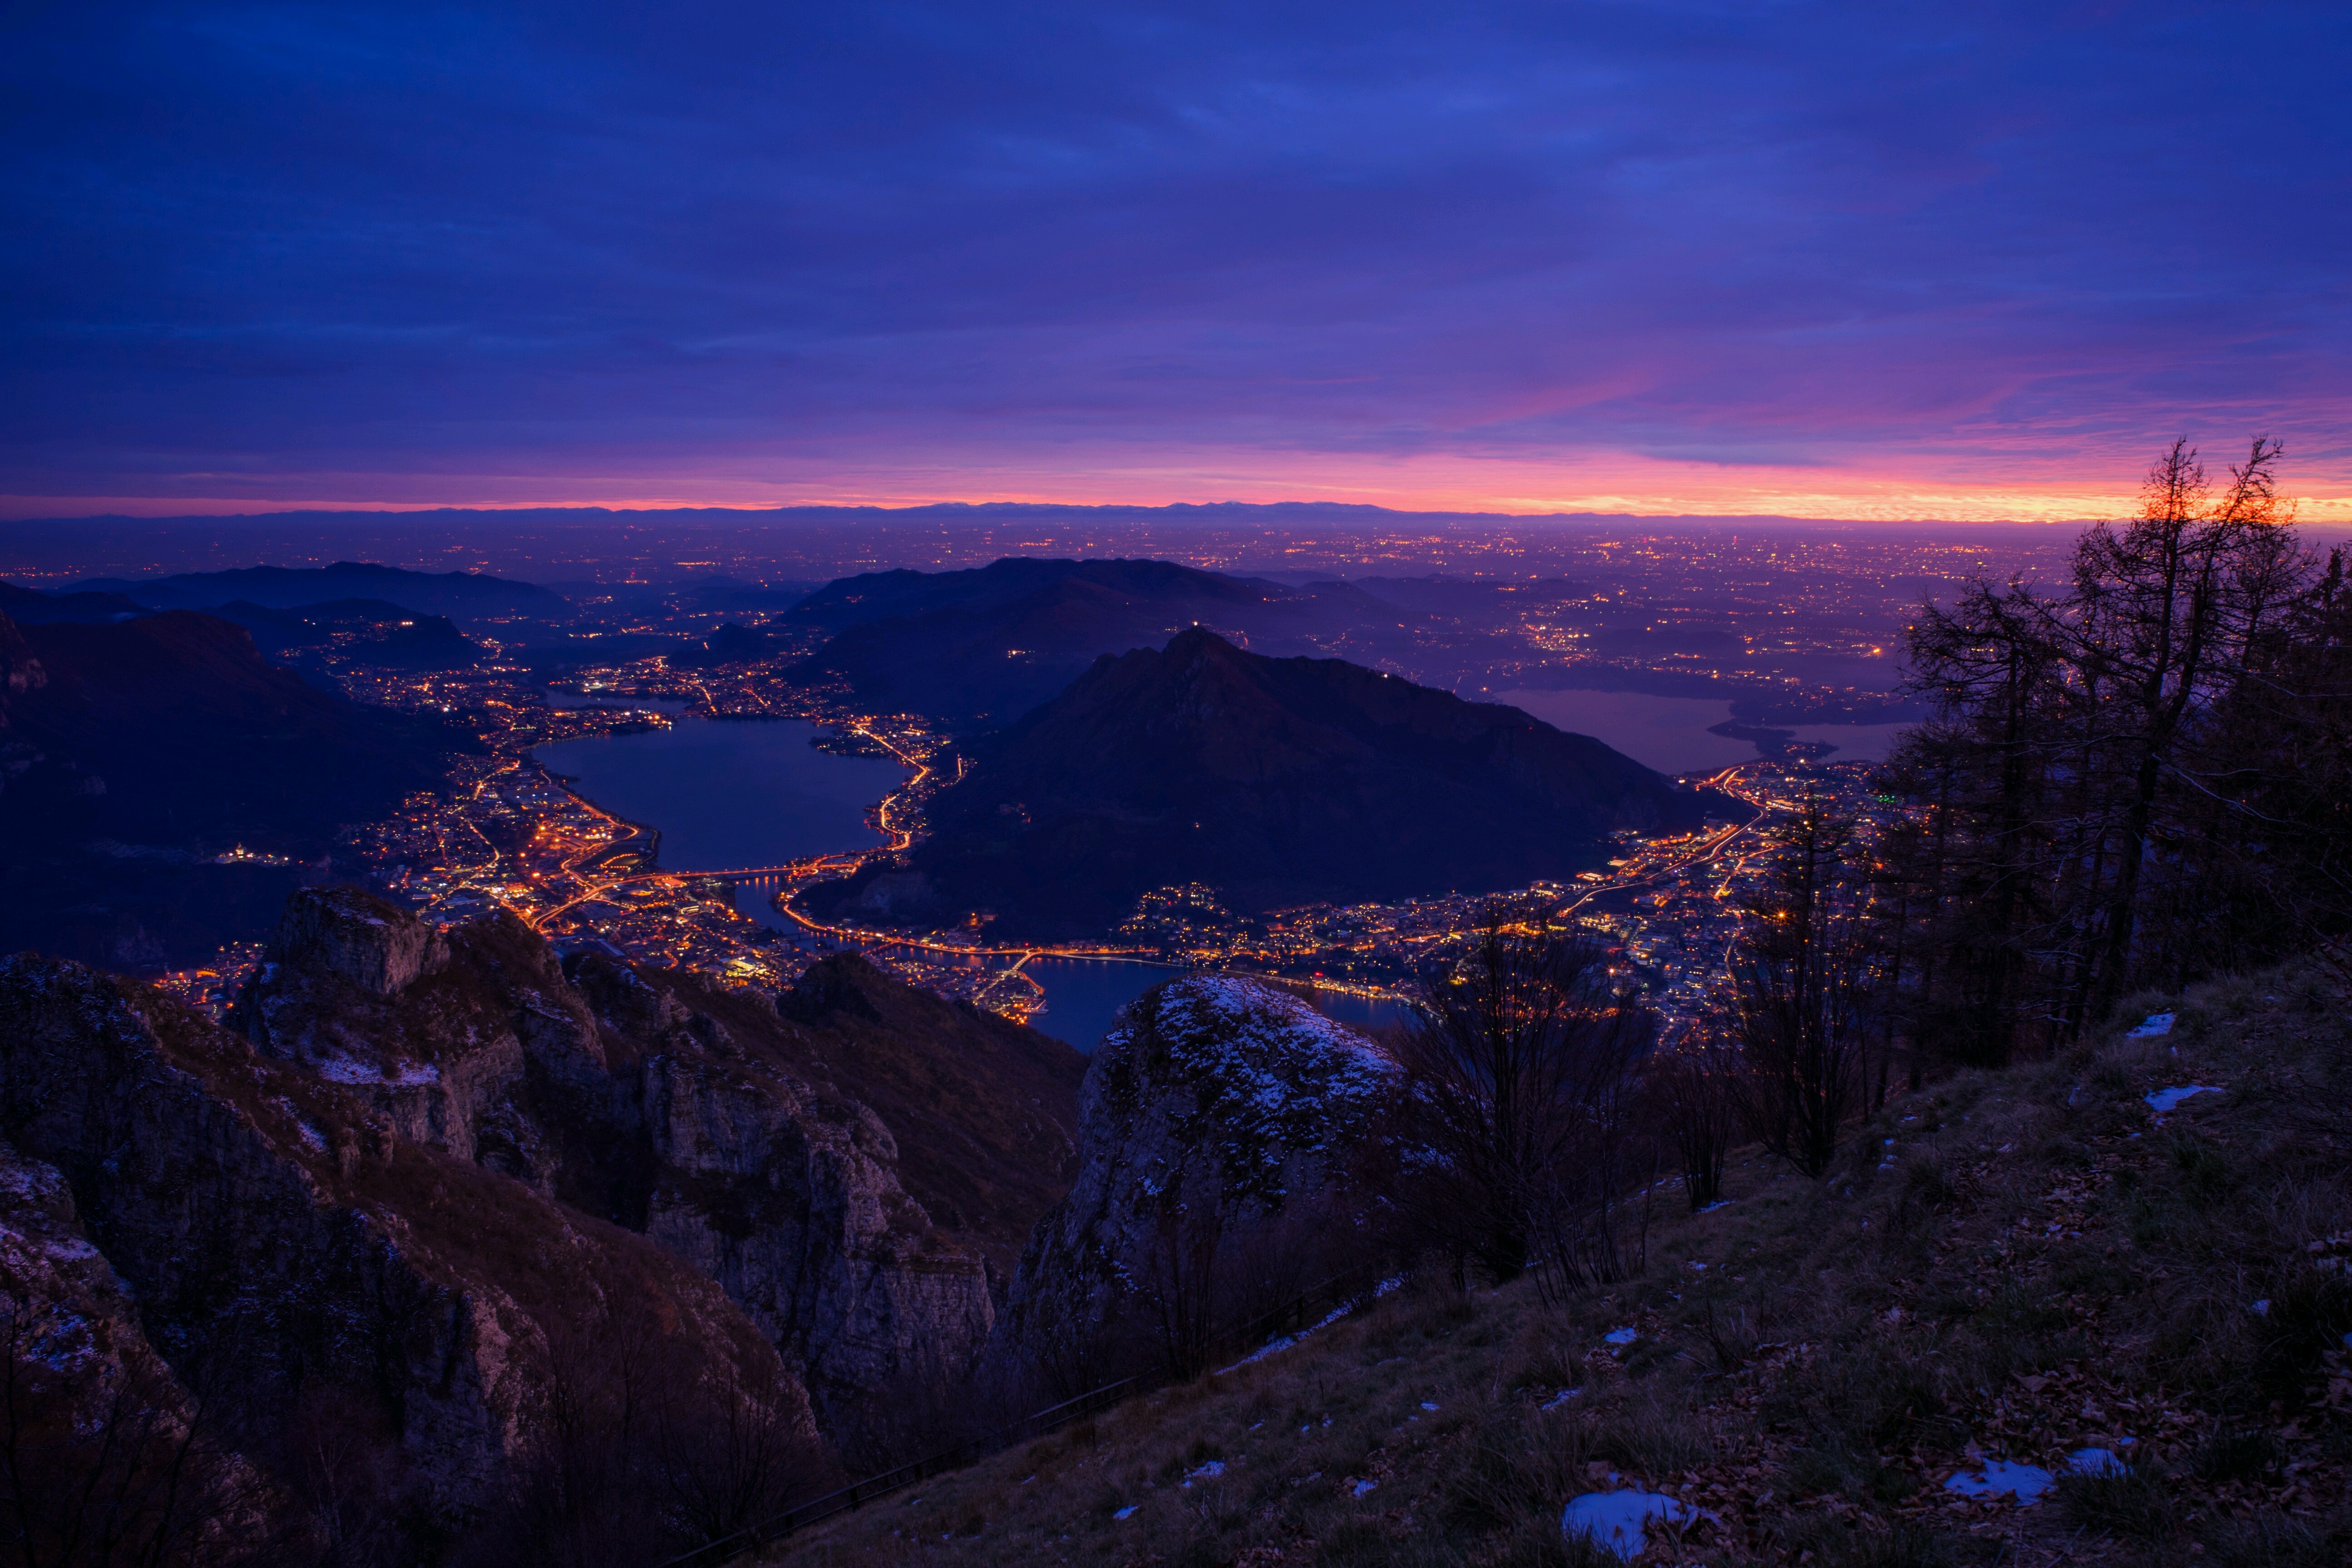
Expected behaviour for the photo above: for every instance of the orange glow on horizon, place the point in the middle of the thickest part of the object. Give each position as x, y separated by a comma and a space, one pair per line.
1438, 484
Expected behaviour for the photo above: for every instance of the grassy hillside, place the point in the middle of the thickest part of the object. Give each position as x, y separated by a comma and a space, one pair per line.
2007, 1265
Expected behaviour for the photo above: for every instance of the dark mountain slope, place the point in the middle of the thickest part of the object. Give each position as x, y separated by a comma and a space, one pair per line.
972, 646
195, 736
897, 595
985, 1110
461, 594
2035, 1267
32, 607
369, 630
133, 750
1281, 781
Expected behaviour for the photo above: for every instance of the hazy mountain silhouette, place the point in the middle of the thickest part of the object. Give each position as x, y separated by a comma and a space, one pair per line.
1282, 781
33, 607
986, 646
460, 594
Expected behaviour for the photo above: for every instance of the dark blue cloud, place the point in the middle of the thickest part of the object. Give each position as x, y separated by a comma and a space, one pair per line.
301, 251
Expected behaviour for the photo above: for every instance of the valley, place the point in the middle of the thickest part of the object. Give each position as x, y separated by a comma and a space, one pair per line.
511, 832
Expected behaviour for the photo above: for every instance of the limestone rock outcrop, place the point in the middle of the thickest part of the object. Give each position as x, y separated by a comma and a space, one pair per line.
1222, 1118
194, 1214
856, 1163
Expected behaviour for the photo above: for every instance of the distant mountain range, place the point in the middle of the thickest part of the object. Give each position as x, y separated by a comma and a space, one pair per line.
462, 595
1281, 781
986, 646
132, 753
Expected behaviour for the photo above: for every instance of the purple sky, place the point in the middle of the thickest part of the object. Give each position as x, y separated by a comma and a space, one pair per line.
1833, 260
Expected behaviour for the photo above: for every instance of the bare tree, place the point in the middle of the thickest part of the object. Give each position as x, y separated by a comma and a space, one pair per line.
108, 1463
1698, 1095
1802, 986
1182, 1284
728, 1459
2130, 773
1520, 1065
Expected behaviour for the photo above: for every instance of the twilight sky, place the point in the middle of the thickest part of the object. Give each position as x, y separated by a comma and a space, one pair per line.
1969, 260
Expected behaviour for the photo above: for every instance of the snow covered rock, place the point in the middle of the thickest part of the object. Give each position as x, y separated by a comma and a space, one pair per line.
1614, 1520
1221, 1116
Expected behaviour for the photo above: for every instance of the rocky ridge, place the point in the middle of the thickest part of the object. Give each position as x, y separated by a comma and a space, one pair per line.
204, 1225
1221, 1115
734, 1129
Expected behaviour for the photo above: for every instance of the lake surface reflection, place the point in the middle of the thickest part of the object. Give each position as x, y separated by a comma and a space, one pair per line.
729, 792
1669, 733
1082, 996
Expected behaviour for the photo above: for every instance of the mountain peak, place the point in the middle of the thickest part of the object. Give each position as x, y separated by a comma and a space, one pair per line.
1203, 762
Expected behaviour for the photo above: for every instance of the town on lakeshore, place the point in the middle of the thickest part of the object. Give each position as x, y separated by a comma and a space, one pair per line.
511, 832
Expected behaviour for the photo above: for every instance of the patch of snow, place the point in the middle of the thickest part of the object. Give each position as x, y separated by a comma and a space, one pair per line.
2094, 1462
1122, 1513
2156, 1024
1719, 1203
1621, 1336
407, 1075
1425, 1404
1285, 1342
1364, 1487
1564, 1395
2167, 1099
1614, 1520
1208, 1472
2023, 1482
2260, 1309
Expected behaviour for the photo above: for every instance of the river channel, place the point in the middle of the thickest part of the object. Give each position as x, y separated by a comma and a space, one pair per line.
733, 794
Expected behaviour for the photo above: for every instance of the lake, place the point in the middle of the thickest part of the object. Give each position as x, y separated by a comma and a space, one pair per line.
1669, 733
1084, 995
728, 794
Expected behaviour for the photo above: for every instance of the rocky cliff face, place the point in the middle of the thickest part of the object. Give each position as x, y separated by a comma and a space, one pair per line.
745, 1135
192, 1214
1221, 1125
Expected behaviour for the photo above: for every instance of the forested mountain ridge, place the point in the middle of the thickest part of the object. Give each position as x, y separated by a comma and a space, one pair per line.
1278, 780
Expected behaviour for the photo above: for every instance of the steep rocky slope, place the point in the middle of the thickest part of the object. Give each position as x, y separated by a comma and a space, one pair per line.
856, 1164
1278, 780
190, 1225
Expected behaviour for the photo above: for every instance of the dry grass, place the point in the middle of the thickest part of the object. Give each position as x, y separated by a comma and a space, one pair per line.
2022, 1264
